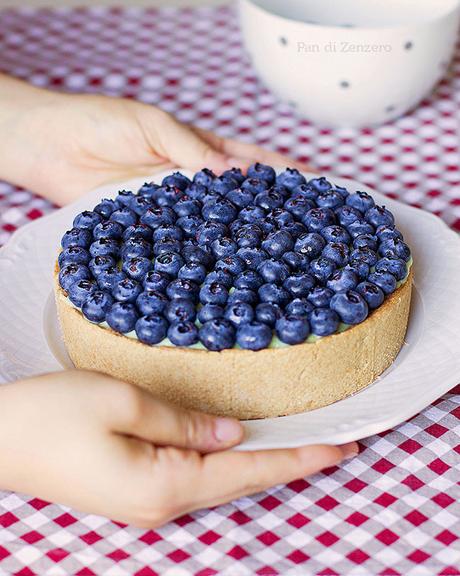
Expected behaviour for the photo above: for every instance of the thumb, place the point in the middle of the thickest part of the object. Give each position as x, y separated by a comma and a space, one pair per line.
177, 143
154, 420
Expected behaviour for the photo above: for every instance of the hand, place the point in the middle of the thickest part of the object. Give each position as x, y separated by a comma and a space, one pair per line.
106, 447
62, 145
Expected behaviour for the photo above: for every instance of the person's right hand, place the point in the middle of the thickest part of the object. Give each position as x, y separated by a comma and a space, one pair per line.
106, 447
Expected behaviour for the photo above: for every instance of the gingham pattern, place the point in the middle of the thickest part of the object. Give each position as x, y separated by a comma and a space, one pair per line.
394, 510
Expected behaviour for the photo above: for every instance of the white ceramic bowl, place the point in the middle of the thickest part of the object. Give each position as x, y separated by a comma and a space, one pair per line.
350, 62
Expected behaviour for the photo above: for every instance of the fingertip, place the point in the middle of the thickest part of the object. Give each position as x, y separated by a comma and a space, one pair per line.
319, 456
228, 431
349, 450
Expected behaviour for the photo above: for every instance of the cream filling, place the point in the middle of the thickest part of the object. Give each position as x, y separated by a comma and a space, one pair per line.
275, 343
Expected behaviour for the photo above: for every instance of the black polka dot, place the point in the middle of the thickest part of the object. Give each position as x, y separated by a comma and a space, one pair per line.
292, 103
283, 40
344, 84
408, 45
390, 108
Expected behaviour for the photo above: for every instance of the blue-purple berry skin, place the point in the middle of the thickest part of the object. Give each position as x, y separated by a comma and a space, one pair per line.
71, 273
74, 255
76, 237
127, 290
136, 268
292, 329
320, 296
213, 293
274, 293
299, 307
109, 277
151, 302
384, 280
324, 321
151, 329
344, 279
96, 306
217, 335
239, 313
180, 310
254, 336
210, 312
373, 295
299, 285
394, 247
242, 295
155, 280
183, 333
122, 317
268, 313
87, 220
394, 265
310, 244
80, 290
350, 306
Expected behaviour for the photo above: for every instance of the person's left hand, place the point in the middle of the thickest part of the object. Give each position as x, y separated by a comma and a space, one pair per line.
63, 145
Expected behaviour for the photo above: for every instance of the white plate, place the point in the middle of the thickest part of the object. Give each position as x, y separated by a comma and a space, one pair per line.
427, 367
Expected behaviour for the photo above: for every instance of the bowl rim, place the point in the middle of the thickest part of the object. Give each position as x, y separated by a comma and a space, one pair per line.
454, 8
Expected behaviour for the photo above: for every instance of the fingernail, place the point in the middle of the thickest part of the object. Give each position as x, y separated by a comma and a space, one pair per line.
349, 450
227, 429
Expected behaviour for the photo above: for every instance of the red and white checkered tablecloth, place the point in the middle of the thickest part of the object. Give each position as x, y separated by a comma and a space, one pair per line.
394, 510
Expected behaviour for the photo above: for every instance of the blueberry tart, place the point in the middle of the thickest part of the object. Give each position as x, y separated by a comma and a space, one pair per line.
250, 295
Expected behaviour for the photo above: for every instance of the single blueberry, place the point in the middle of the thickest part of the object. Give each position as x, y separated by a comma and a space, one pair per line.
86, 220
298, 206
251, 214
105, 247
269, 200
299, 285
320, 184
360, 268
291, 178
151, 329
364, 254
338, 252
151, 302
292, 329
373, 295
322, 268
168, 195
254, 185
182, 289
254, 336
248, 279
320, 296
395, 266
76, 237
189, 225
73, 255
242, 295
234, 173
109, 277
169, 263
71, 273
217, 334
166, 245
222, 247
335, 233
297, 262
124, 216
310, 244
274, 294
273, 271
360, 227
394, 247
365, 241
248, 237
277, 243
124, 198
347, 214
155, 280
137, 230
137, 267
324, 321
222, 185
80, 290
233, 264
194, 272
329, 199
268, 313
299, 307
204, 177
239, 197
160, 216
305, 191
176, 179
252, 257
239, 313
388, 233
262, 172
379, 216
384, 280
148, 189
122, 317
106, 207
213, 293
180, 310
96, 306
361, 201
221, 277
141, 204
136, 246
210, 312
197, 255
219, 210
280, 217
350, 306
127, 290
170, 231
183, 333
210, 231
344, 279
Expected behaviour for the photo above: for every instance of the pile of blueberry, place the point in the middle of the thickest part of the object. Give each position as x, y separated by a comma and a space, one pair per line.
232, 259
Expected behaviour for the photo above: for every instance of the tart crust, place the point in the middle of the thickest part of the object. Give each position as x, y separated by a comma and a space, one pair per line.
241, 383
